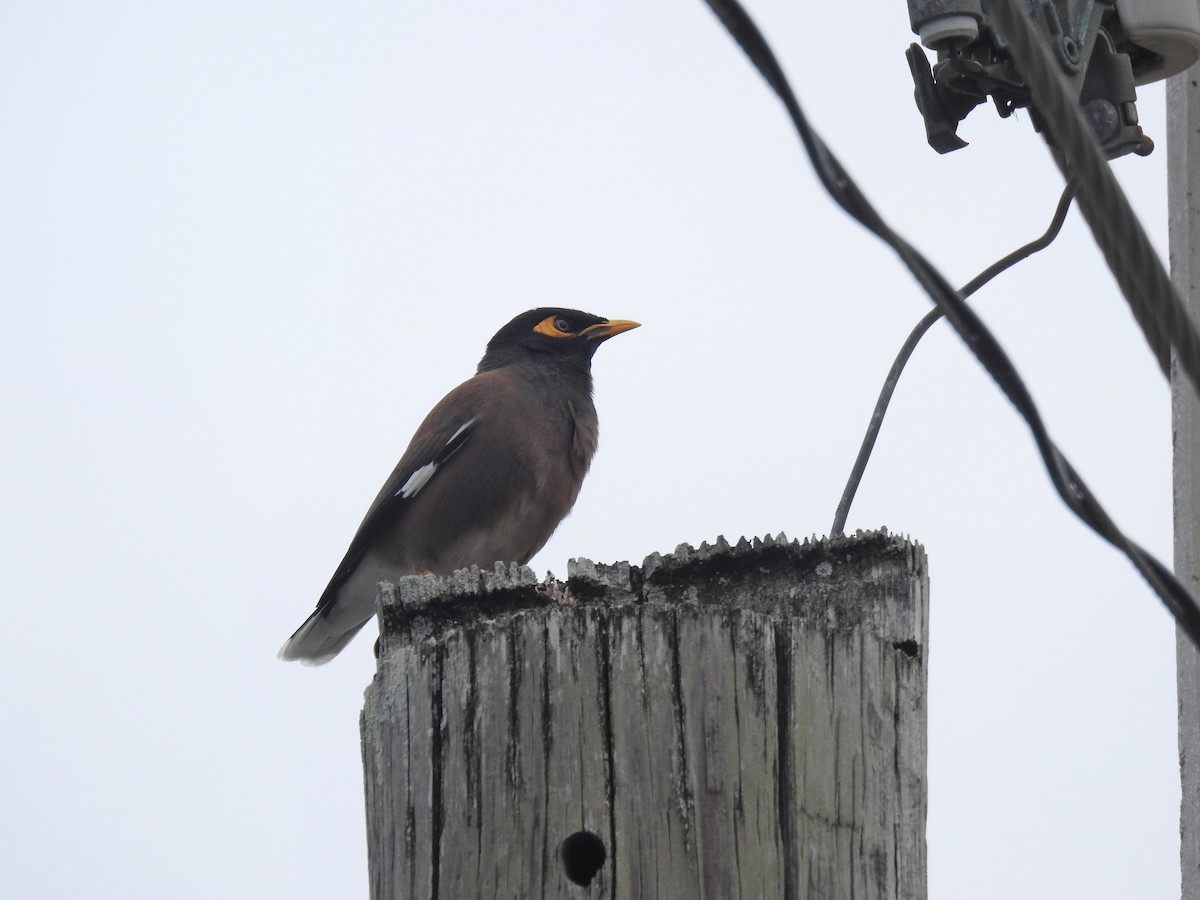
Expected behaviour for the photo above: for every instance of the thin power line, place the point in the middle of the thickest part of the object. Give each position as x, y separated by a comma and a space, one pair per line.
970, 328
918, 332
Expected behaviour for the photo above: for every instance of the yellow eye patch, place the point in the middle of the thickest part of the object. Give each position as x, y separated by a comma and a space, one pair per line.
555, 326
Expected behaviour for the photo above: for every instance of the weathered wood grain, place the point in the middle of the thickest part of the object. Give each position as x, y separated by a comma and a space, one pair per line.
728, 722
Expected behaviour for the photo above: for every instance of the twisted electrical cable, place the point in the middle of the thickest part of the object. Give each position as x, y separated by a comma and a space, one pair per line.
1135, 266
970, 328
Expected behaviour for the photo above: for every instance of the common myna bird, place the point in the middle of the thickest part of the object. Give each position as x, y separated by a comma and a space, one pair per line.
492, 470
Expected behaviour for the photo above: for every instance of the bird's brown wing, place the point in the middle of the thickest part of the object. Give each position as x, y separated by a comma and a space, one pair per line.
445, 430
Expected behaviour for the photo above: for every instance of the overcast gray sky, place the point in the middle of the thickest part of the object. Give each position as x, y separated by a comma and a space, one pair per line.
245, 246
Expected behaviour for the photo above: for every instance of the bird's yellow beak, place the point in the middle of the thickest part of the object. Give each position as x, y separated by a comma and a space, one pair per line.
602, 330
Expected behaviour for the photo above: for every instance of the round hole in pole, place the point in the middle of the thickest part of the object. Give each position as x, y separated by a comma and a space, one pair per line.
582, 855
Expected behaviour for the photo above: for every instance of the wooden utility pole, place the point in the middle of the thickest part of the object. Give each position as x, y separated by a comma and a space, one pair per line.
1183, 179
743, 721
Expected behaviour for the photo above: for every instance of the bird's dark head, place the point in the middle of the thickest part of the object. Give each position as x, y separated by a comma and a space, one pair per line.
550, 334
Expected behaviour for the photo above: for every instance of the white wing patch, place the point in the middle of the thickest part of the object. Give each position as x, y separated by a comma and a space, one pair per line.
420, 478
417, 480
461, 428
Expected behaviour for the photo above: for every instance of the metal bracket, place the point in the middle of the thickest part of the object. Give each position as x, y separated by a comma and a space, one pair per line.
968, 72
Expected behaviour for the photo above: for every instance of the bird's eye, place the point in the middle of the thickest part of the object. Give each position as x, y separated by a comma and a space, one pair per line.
555, 327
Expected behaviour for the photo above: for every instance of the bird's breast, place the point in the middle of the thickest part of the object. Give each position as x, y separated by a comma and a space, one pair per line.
584, 436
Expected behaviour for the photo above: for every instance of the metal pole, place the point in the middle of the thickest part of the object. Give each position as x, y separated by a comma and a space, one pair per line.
1183, 179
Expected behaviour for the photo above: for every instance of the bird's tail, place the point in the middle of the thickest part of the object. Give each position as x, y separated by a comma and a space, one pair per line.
323, 635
